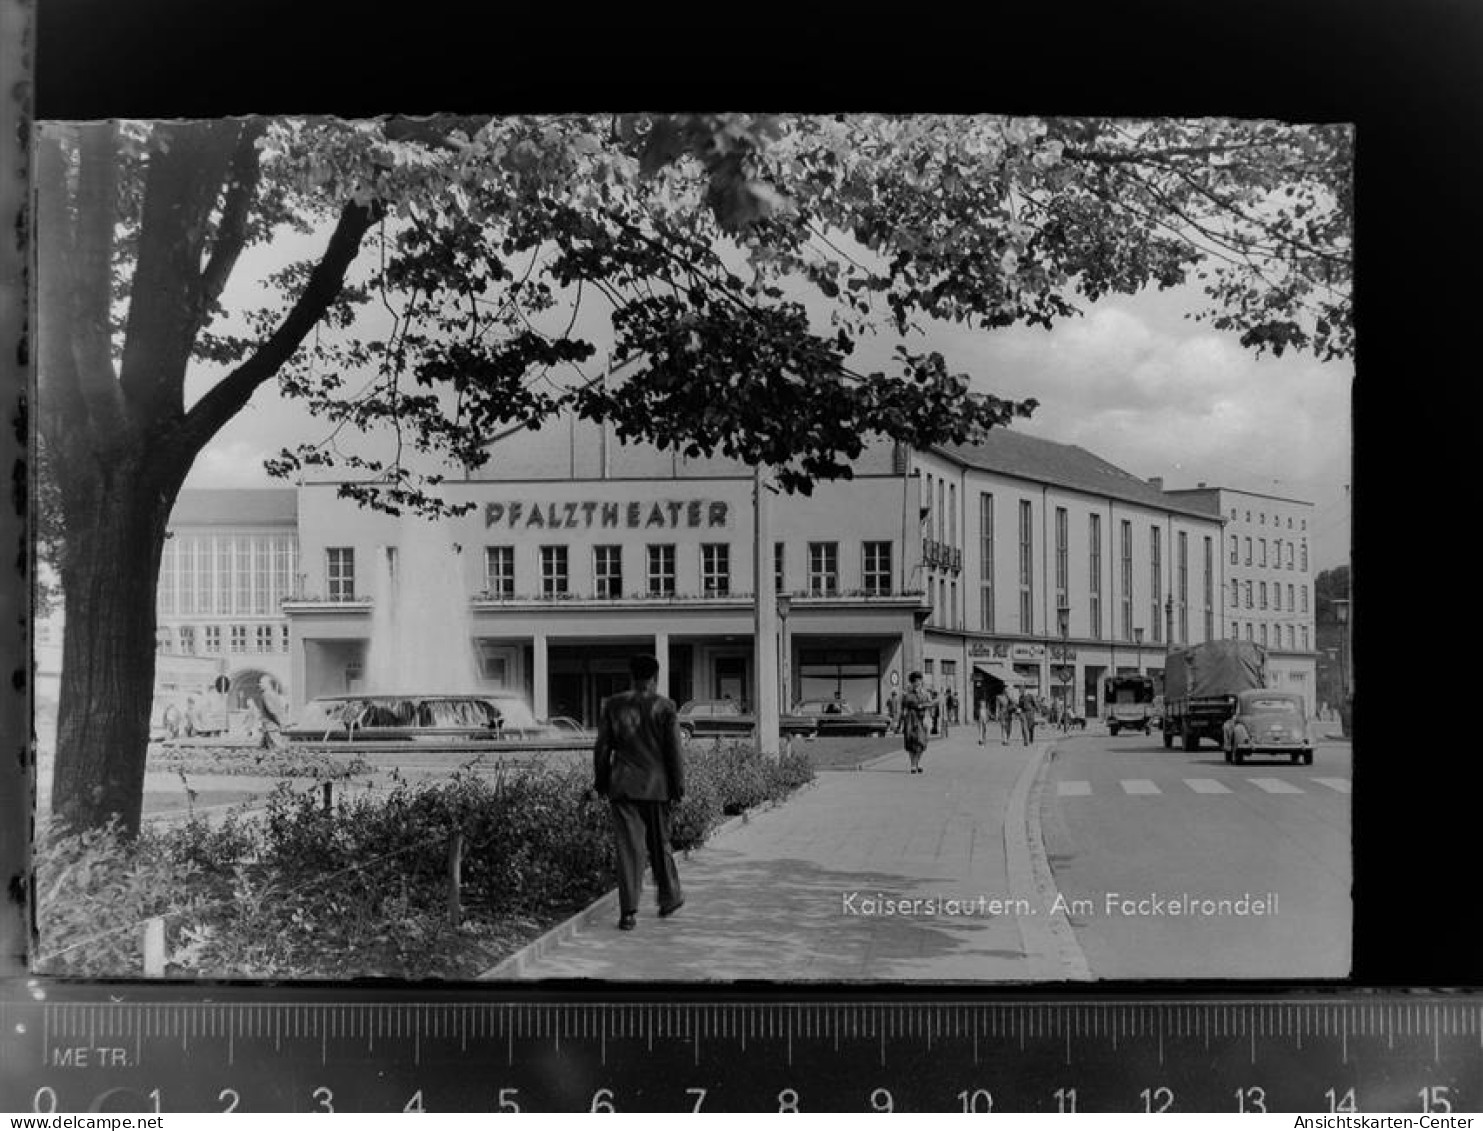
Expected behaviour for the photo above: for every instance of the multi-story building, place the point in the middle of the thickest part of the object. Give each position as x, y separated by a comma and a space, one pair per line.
1020, 529
1015, 561
229, 562
1268, 594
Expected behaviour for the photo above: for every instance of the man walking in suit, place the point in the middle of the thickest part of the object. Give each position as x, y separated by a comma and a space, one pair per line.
637, 766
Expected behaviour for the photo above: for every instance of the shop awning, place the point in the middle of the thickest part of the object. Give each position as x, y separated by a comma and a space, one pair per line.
1003, 674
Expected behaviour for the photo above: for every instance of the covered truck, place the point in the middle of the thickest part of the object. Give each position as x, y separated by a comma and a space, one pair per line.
1201, 684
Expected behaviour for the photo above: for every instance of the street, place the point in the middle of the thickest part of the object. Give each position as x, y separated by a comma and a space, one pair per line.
1124, 820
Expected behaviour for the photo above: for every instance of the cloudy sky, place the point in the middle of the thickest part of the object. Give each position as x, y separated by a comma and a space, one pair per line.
1132, 380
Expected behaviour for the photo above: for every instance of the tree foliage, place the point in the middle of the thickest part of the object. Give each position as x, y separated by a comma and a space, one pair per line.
736, 261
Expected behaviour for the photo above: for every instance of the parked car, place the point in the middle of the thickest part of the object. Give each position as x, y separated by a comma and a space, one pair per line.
476, 716
1268, 722
564, 727
722, 718
835, 716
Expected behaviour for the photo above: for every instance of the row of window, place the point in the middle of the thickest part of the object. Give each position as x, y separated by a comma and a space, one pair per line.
1276, 519
1126, 627
1300, 561
661, 570
1293, 593
1279, 632
216, 639
225, 575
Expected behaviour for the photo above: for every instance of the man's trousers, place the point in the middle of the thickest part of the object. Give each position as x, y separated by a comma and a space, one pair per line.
641, 830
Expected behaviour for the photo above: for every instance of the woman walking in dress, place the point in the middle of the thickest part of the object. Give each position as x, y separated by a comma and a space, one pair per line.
914, 707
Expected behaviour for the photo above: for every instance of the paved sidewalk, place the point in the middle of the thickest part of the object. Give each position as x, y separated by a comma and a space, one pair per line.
796, 893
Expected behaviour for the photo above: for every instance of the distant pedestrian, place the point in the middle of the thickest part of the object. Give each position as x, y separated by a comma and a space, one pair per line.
893, 704
915, 705
1005, 707
637, 766
1029, 711
982, 712
274, 714
952, 705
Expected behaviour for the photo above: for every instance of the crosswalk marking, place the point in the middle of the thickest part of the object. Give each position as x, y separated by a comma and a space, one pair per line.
1139, 785
1274, 785
1209, 787
1206, 785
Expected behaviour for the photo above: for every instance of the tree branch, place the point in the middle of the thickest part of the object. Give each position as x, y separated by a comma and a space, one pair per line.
325, 282
231, 230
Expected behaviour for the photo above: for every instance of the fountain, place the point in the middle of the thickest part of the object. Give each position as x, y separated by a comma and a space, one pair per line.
421, 630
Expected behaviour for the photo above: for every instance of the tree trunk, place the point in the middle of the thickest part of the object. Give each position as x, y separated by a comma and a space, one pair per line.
109, 579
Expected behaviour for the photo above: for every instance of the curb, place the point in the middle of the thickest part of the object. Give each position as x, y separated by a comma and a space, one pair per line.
514, 966
1049, 943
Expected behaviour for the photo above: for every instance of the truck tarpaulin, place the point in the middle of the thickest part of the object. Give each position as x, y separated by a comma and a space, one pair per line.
1215, 668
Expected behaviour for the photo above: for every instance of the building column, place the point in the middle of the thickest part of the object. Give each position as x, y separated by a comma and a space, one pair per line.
661, 653
540, 683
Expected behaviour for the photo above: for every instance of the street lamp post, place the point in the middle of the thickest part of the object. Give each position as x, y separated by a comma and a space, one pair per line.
785, 653
1138, 640
1063, 622
1341, 614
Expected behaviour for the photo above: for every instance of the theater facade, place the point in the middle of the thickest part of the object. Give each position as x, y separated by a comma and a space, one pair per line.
1015, 562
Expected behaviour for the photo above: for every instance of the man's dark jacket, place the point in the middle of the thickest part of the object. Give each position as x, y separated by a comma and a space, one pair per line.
637, 753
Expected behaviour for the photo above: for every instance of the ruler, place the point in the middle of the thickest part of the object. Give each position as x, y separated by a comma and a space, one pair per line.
69, 1049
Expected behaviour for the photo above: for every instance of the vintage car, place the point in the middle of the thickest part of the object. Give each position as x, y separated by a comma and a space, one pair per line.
1268, 722
476, 716
835, 716
724, 718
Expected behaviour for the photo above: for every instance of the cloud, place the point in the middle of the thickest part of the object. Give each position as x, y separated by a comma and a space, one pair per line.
233, 464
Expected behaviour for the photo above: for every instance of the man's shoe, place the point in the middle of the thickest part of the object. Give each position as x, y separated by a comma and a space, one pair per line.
627, 921
666, 912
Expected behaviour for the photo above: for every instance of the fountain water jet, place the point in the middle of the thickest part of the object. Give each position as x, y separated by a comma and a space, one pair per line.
421, 628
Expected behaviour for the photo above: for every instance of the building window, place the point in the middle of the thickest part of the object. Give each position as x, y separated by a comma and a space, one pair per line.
1208, 589
1062, 550
715, 569
283, 638
283, 570
1264, 635
927, 670
1094, 587
1262, 549
203, 576
1235, 550
499, 571
1262, 594
941, 611
941, 510
1027, 569
211, 639
1248, 594
662, 570
1125, 571
1250, 633
952, 514
607, 571
823, 568
1289, 556
986, 562
953, 606
1156, 582
931, 511
1183, 587
265, 638
1305, 638
224, 586
777, 568
876, 568
1248, 551
1235, 594
239, 638
340, 570
1304, 565
262, 576
555, 576
188, 640
241, 576
1235, 630
1292, 605
1291, 642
